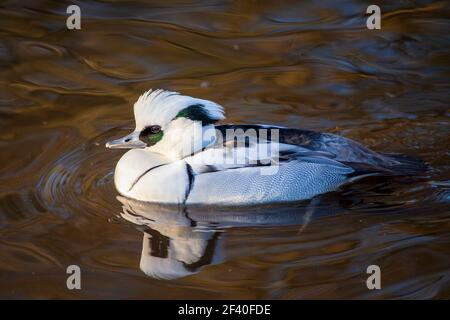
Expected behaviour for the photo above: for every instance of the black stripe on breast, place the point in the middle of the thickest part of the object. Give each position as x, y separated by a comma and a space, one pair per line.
191, 179
143, 174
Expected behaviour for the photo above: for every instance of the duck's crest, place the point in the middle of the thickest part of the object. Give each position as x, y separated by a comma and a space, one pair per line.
161, 106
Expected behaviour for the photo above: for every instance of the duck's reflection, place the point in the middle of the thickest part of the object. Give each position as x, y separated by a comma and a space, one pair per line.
178, 243
172, 246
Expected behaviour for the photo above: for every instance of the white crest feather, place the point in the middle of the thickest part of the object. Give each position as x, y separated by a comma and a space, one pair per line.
160, 107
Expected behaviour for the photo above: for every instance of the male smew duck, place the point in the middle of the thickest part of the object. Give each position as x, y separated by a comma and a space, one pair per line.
179, 156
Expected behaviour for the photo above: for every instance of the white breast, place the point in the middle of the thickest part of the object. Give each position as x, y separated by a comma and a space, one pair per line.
148, 176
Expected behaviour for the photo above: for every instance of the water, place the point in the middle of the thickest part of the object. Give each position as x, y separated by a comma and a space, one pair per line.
313, 66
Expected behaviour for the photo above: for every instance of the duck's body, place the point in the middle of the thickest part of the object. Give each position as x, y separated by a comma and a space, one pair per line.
236, 164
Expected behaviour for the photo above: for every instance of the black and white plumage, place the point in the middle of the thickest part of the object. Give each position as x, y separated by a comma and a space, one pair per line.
179, 156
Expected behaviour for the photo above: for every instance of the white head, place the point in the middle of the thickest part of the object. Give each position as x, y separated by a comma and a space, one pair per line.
171, 124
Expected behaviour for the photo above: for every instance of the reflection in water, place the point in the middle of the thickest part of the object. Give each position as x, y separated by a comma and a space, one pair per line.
178, 243
172, 246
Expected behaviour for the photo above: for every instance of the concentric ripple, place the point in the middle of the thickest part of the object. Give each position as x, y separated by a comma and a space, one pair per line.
81, 178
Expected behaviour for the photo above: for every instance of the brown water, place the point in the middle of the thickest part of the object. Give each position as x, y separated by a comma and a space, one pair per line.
312, 65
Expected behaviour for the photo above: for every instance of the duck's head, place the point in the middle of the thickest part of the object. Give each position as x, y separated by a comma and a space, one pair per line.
171, 124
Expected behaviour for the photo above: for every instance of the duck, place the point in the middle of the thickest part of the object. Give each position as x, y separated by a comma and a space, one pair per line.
181, 154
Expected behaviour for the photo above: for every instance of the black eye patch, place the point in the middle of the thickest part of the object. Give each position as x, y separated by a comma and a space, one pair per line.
151, 135
150, 130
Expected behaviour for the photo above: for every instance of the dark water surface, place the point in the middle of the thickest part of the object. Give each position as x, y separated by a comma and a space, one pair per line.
312, 65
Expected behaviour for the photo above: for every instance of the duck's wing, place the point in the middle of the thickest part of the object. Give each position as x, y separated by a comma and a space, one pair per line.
341, 149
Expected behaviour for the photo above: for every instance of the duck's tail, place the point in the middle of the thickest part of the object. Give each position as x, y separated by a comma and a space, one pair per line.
403, 165
392, 165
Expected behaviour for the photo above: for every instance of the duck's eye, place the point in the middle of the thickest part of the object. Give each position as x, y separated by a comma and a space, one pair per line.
151, 135
155, 129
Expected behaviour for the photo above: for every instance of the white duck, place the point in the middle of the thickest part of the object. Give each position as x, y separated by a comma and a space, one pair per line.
179, 156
